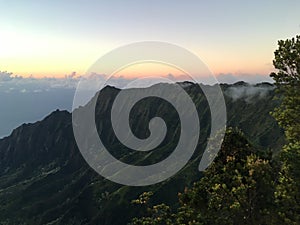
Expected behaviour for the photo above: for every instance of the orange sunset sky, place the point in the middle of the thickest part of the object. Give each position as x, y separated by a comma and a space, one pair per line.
56, 38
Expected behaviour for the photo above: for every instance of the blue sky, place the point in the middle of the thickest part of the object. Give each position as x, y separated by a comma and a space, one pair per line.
54, 38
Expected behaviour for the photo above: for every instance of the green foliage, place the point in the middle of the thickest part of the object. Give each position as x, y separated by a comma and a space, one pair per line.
287, 192
236, 189
158, 214
287, 80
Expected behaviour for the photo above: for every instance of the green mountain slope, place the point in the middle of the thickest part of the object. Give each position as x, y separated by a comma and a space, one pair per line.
45, 180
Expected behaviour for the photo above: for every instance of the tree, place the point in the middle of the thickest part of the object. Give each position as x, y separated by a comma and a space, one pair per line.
287, 80
237, 188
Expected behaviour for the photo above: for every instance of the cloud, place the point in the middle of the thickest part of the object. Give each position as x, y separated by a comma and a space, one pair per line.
5, 76
13, 83
248, 92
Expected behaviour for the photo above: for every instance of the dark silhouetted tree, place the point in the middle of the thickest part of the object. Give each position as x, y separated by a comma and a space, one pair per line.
287, 80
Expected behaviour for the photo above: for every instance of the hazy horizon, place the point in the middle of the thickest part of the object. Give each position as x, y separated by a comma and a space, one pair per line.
27, 100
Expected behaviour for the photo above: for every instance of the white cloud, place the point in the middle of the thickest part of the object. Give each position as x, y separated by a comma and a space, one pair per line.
248, 92
11, 83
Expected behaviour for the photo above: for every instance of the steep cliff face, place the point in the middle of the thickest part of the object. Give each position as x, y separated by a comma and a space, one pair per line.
45, 180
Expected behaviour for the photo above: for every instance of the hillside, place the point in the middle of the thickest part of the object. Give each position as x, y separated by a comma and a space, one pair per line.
45, 180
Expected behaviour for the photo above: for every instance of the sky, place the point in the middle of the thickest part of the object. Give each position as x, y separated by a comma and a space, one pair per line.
54, 38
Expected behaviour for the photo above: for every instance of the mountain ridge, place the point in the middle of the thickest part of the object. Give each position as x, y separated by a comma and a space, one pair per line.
45, 180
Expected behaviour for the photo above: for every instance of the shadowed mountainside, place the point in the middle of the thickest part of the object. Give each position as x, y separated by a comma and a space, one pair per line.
45, 180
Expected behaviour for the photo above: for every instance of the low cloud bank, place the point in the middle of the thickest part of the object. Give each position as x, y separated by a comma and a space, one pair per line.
13, 83
249, 92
